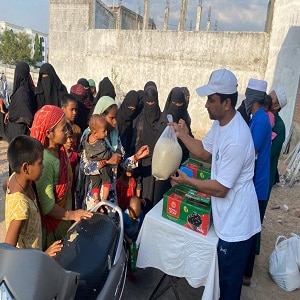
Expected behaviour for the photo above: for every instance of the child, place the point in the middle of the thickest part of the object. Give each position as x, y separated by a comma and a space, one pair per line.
22, 216
133, 219
54, 188
70, 108
96, 150
267, 106
127, 188
73, 159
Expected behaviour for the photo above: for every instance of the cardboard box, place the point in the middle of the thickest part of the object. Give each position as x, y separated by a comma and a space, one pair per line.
200, 171
188, 207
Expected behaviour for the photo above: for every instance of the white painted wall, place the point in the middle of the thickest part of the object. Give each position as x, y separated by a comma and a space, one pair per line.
283, 68
169, 58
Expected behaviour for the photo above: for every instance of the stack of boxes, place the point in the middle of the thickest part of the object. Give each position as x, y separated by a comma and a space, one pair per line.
185, 205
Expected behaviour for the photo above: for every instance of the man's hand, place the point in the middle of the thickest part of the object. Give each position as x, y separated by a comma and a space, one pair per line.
179, 178
181, 128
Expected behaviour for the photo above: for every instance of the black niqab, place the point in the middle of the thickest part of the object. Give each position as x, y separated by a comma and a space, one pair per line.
125, 119
151, 115
50, 89
176, 96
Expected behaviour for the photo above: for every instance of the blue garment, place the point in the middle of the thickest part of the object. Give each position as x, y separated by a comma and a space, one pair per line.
261, 131
232, 259
132, 227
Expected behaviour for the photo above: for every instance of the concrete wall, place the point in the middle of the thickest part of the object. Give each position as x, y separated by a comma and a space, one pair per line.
170, 58
283, 68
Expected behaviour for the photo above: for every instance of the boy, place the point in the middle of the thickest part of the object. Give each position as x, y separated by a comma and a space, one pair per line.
96, 150
133, 219
22, 216
70, 109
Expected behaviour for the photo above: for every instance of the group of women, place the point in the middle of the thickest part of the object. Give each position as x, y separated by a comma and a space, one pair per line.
133, 130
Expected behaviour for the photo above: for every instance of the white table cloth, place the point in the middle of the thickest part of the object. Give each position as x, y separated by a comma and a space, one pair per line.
180, 252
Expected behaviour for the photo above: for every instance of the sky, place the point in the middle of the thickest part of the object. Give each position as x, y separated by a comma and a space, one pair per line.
226, 15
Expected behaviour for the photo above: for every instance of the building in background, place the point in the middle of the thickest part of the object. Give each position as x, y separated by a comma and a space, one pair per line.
31, 32
118, 17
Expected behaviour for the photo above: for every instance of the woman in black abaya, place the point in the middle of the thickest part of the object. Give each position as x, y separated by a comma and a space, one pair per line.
147, 132
50, 89
177, 107
23, 104
126, 114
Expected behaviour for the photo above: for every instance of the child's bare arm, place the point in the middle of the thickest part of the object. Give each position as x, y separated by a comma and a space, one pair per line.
4, 186
54, 248
138, 193
13, 232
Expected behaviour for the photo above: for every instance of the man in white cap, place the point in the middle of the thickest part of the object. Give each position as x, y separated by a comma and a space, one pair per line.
279, 101
230, 147
261, 131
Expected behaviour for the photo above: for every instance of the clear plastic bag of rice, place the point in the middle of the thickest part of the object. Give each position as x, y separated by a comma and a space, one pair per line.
167, 154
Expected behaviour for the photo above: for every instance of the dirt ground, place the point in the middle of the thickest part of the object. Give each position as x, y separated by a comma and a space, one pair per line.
280, 219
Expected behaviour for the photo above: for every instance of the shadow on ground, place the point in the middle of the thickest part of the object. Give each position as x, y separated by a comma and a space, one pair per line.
142, 282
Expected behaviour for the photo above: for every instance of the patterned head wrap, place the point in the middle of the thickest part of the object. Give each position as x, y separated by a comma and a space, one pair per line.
45, 119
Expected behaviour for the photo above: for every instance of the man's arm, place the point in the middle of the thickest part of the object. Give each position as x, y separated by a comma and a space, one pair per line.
210, 187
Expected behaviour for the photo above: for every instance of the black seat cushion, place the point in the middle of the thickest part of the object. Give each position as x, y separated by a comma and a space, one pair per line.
88, 249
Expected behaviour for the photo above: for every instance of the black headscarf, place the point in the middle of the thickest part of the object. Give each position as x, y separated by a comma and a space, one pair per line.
106, 88
150, 83
50, 89
83, 105
176, 96
125, 119
22, 107
151, 115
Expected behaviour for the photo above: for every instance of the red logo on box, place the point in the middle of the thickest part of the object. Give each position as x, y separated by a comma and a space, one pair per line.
173, 205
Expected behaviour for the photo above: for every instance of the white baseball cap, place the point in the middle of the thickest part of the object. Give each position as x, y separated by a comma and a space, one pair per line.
221, 81
281, 97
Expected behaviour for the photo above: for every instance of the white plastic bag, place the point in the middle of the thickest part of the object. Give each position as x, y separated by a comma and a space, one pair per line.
283, 267
295, 244
167, 154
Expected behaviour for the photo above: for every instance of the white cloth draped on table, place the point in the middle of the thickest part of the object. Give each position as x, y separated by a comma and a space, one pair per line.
180, 252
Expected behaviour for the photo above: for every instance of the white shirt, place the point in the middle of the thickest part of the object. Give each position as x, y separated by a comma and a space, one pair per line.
236, 216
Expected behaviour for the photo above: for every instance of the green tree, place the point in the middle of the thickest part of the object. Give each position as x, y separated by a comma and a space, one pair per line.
37, 56
15, 47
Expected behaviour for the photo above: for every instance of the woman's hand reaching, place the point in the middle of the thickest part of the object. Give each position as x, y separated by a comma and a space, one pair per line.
142, 152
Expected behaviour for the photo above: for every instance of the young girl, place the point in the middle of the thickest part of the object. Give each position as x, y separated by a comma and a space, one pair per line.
22, 217
54, 188
127, 188
73, 159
